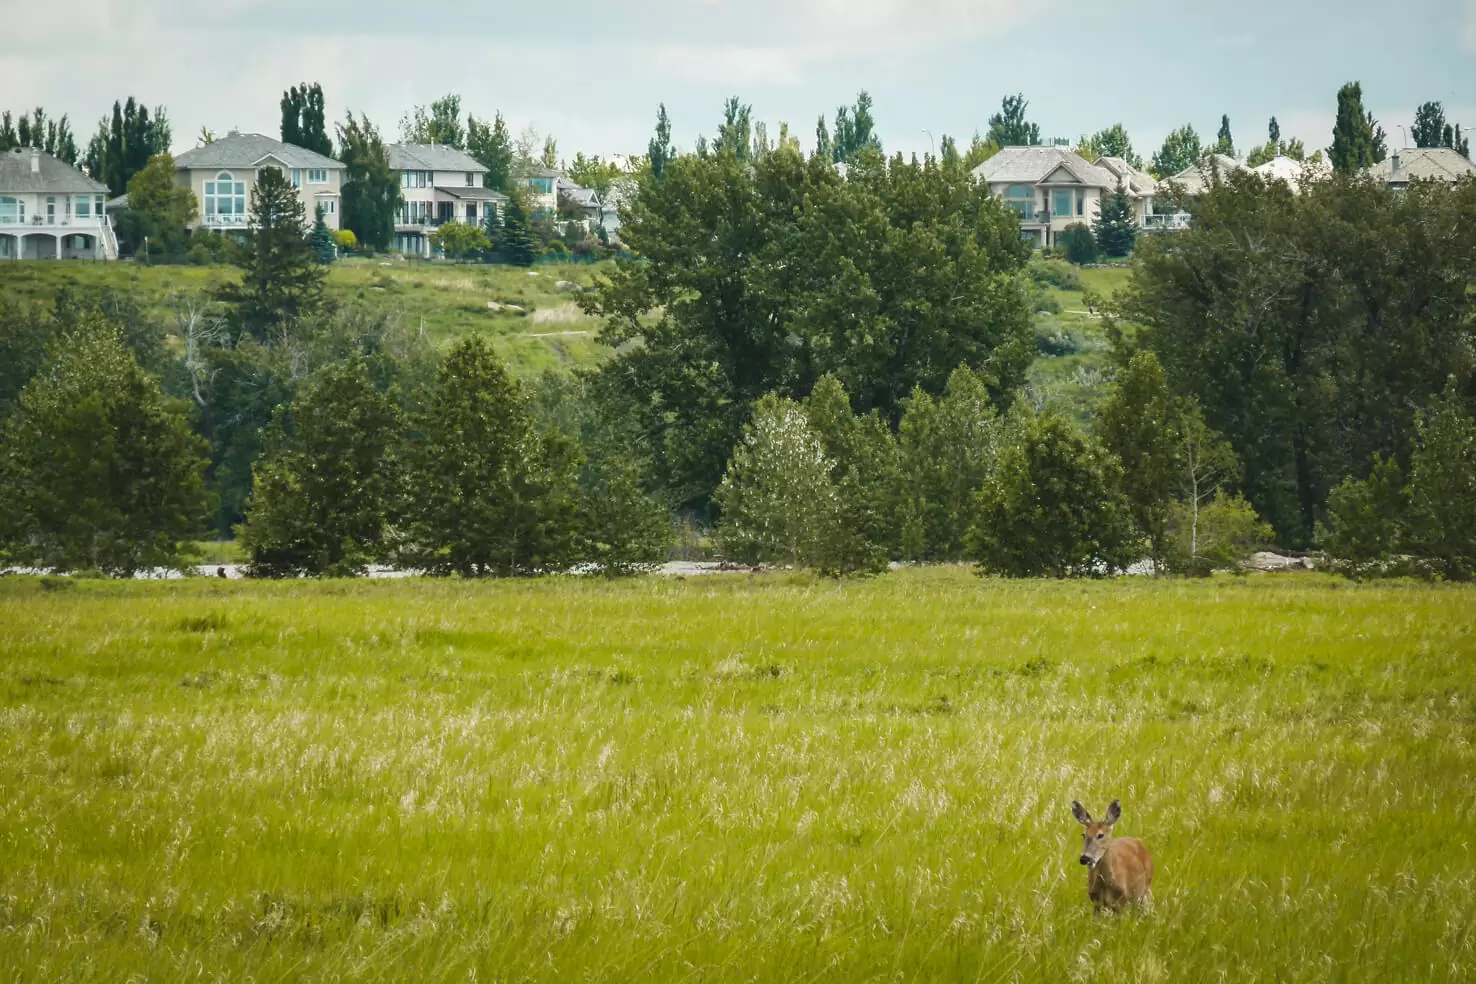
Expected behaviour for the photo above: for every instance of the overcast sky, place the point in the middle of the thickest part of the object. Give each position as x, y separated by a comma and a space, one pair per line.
592, 74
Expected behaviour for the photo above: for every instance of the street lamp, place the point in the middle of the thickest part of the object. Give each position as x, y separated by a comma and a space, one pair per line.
931, 142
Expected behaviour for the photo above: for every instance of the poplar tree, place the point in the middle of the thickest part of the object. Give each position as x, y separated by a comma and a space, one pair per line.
1358, 140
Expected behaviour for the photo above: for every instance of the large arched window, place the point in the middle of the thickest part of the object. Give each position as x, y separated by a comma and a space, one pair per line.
225, 200
12, 211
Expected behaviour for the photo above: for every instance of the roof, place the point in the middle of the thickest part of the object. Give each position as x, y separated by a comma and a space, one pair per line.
431, 157
1032, 165
1422, 163
1136, 181
243, 150
1293, 171
50, 174
1198, 176
540, 172
474, 194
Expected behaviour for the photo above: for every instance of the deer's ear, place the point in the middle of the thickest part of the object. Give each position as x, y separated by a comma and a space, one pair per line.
1114, 813
1079, 812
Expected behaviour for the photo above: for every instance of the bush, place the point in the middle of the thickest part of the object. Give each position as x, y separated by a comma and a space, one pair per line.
1055, 273
1051, 339
1365, 521
346, 239
1054, 507
1078, 243
1442, 488
1221, 534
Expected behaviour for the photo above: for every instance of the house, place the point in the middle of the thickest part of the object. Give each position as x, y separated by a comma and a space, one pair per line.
50, 210
1199, 176
1294, 172
438, 184
222, 174
540, 189
1142, 187
1051, 188
1421, 164
587, 206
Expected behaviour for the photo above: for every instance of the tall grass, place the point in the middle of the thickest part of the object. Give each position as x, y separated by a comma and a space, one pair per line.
770, 778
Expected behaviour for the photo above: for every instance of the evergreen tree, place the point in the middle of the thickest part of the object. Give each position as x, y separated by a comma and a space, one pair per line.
1054, 507
516, 243
1273, 132
735, 133
491, 498
124, 144
99, 470
371, 190
326, 491
1358, 140
325, 249
281, 282
303, 121
1078, 243
824, 146
1009, 128
159, 207
659, 152
1117, 227
1181, 149
493, 149
1224, 142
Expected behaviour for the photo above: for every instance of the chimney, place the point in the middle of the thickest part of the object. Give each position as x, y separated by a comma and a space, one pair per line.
35, 161
1394, 160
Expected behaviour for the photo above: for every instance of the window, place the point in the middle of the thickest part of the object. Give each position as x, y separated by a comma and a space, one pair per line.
1063, 203
471, 180
99, 203
330, 206
82, 207
471, 214
1081, 198
317, 175
225, 197
297, 177
1021, 198
12, 211
412, 179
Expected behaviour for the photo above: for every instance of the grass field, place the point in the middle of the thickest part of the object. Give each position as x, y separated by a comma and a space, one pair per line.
447, 300
744, 778
1078, 381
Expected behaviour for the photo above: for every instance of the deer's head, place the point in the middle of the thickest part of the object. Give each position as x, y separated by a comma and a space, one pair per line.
1096, 834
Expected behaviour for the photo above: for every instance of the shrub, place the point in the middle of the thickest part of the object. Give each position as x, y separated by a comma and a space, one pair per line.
1055, 273
1051, 339
1078, 243
1442, 487
346, 239
1365, 521
1221, 534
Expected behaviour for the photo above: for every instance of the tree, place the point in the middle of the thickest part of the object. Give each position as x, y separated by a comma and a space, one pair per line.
1225, 532
855, 130
457, 240
492, 148
371, 190
550, 157
1224, 142
763, 277
824, 145
1181, 150
1429, 126
1117, 226
124, 144
1078, 243
327, 490
1111, 142
37, 130
281, 281
1273, 132
659, 152
866, 475
980, 150
440, 125
735, 133
516, 243
1138, 425
1204, 465
304, 123
1442, 487
1054, 507
1358, 140
1367, 520
1009, 128
162, 207
491, 498
325, 249
778, 501
100, 470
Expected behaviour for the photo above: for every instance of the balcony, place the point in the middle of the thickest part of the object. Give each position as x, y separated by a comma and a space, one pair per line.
227, 221
1171, 223
59, 223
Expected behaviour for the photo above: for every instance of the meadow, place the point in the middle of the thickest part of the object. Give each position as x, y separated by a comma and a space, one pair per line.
736, 778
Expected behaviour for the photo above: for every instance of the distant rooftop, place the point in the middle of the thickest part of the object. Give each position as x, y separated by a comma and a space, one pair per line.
245, 150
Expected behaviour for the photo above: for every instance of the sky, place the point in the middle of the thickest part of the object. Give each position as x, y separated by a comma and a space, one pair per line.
593, 74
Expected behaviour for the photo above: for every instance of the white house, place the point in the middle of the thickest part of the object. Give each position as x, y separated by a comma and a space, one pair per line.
1294, 172
438, 184
50, 210
1051, 188
540, 188
1421, 164
222, 174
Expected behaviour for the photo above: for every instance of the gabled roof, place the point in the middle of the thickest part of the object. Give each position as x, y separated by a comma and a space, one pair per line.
431, 157
1423, 163
540, 172
1136, 182
1198, 176
1032, 165
247, 150
1293, 171
49, 175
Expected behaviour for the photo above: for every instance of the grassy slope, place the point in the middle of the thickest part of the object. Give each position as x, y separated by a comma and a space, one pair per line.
1079, 381
447, 300
733, 779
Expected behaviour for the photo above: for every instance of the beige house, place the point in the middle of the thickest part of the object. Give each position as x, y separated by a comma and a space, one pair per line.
1051, 188
438, 184
1421, 164
49, 210
540, 188
222, 174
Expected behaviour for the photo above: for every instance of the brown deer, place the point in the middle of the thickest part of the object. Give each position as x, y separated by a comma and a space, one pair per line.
1119, 871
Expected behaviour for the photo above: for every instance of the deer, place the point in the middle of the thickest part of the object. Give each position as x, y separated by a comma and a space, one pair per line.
1119, 870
